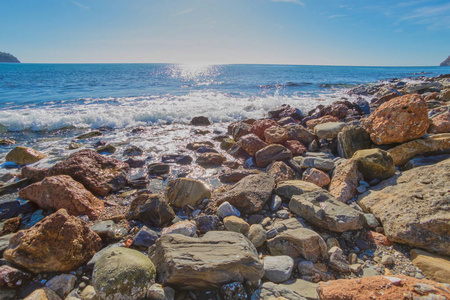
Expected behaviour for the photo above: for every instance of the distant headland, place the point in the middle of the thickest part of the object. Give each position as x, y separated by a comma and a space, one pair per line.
446, 62
8, 58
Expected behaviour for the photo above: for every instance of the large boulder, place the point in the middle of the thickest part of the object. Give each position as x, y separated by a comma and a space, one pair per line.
185, 191
351, 139
414, 206
250, 194
374, 164
122, 273
322, 209
436, 267
151, 208
272, 153
400, 120
218, 258
432, 143
58, 243
62, 191
23, 155
296, 242
345, 180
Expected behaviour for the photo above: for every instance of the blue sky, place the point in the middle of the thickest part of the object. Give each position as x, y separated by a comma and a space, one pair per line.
313, 32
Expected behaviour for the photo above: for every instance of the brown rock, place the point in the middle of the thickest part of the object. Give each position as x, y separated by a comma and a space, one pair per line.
316, 176
10, 226
300, 133
240, 129
289, 188
272, 153
400, 120
434, 266
381, 288
43, 294
260, 126
151, 208
251, 144
379, 239
325, 119
280, 171
58, 243
237, 175
444, 95
338, 110
276, 135
184, 191
12, 277
23, 155
236, 224
374, 164
386, 98
345, 180
210, 159
62, 191
295, 147
196, 145
431, 96
440, 124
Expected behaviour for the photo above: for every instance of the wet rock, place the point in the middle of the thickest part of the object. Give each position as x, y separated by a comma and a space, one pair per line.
43, 294
278, 268
122, 273
275, 202
338, 110
133, 151
322, 209
325, 119
135, 163
436, 267
226, 209
236, 224
276, 135
316, 176
184, 191
351, 139
289, 188
23, 155
251, 144
179, 159
280, 171
416, 201
240, 129
146, 237
158, 169
62, 284
206, 263
62, 191
250, 194
272, 153
210, 159
186, 228
345, 180
107, 149
71, 241
298, 242
260, 126
300, 133
374, 164
89, 135
151, 208
200, 121
11, 277
257, 235
207, 223
440, 123
198, 145
295, 147
236, 175
226, 144
400, 120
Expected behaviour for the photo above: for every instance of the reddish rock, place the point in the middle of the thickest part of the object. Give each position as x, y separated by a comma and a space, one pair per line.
300, 133
400, 120
440, 124
240, 129
12, 277
58, 243
210, 159
382, 288
345, 180
276, 135
337, 110
295, 147
280, 171
379, 239
260, 126
386, 98
431, 96
325, 119
272, 153
63, 192
251, 144
316, 176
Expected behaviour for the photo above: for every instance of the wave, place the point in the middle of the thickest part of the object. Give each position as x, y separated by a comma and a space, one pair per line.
287, 84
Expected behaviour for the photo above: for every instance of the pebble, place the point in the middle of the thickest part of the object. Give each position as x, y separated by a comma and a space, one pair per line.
361, 189
283, 214
275, 202
226, 209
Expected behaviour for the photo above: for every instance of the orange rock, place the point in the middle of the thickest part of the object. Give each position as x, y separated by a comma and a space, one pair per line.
295, 147
280, 171
260, 126
325, 119
316, 176
441, 124
379, 239
276, 135
400, 120
345, 180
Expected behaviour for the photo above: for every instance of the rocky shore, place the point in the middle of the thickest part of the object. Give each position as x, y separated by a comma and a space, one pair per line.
347, 201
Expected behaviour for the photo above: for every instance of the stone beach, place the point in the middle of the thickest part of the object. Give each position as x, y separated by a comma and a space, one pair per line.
347, 201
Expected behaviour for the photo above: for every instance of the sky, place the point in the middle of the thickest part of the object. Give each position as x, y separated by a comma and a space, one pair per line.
304, 32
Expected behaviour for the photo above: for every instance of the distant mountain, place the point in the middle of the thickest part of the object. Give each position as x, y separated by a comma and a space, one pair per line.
8, 58
446, 62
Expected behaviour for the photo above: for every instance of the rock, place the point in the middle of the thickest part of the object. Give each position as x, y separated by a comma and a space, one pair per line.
236, 175
158, 169
386, 98
400, 120
387, 260
274, 291
304, 288
278, 268
329, 130
226, 209
250, 194
371, 221
219, 257
425, 161
210, 159
226, 144
186, 228
315, 162
63, 192
420, 87
434, 266
105, 229
179, 159
322, 209
309, 272
416, 201
275, 203
260, 126
233, 291
107, 149
7, 142
145, 237
43, 294
276, 135
135, 163
338, 110
71, 241
156, 292
251, 144
237, 152
23, 155
122, 273
184, 191
257, 235
351, 139
316, 176
444, 95
339, 263
440, 124
379, 287
345, 180
200, 121
89, 135
198, 145
289, 188
362, 106
271, 153
151, 208
4, 242
236, 224
11, 277
433, 143
325, 119
295, 147
240, 129
9, 226
300, 133
374, 164
280, 171
207, 222
88, 293
298, 242
62, 284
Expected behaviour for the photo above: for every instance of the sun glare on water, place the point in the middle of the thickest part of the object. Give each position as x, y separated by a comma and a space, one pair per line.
195, 71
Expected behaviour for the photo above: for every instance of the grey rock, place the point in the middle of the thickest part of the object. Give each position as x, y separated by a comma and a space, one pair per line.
271, 153
151, 208
275, 202
315, 162
339, 263
257, 235
309, 272
371, 221
300, 133
304, 288
287, 189
105, 229
226, 209
207, 223
146, 237
271, 290
278, 268
62, 284
329, 130
283, 214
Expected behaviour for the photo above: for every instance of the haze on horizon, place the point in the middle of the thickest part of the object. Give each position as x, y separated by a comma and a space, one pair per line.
310, 32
